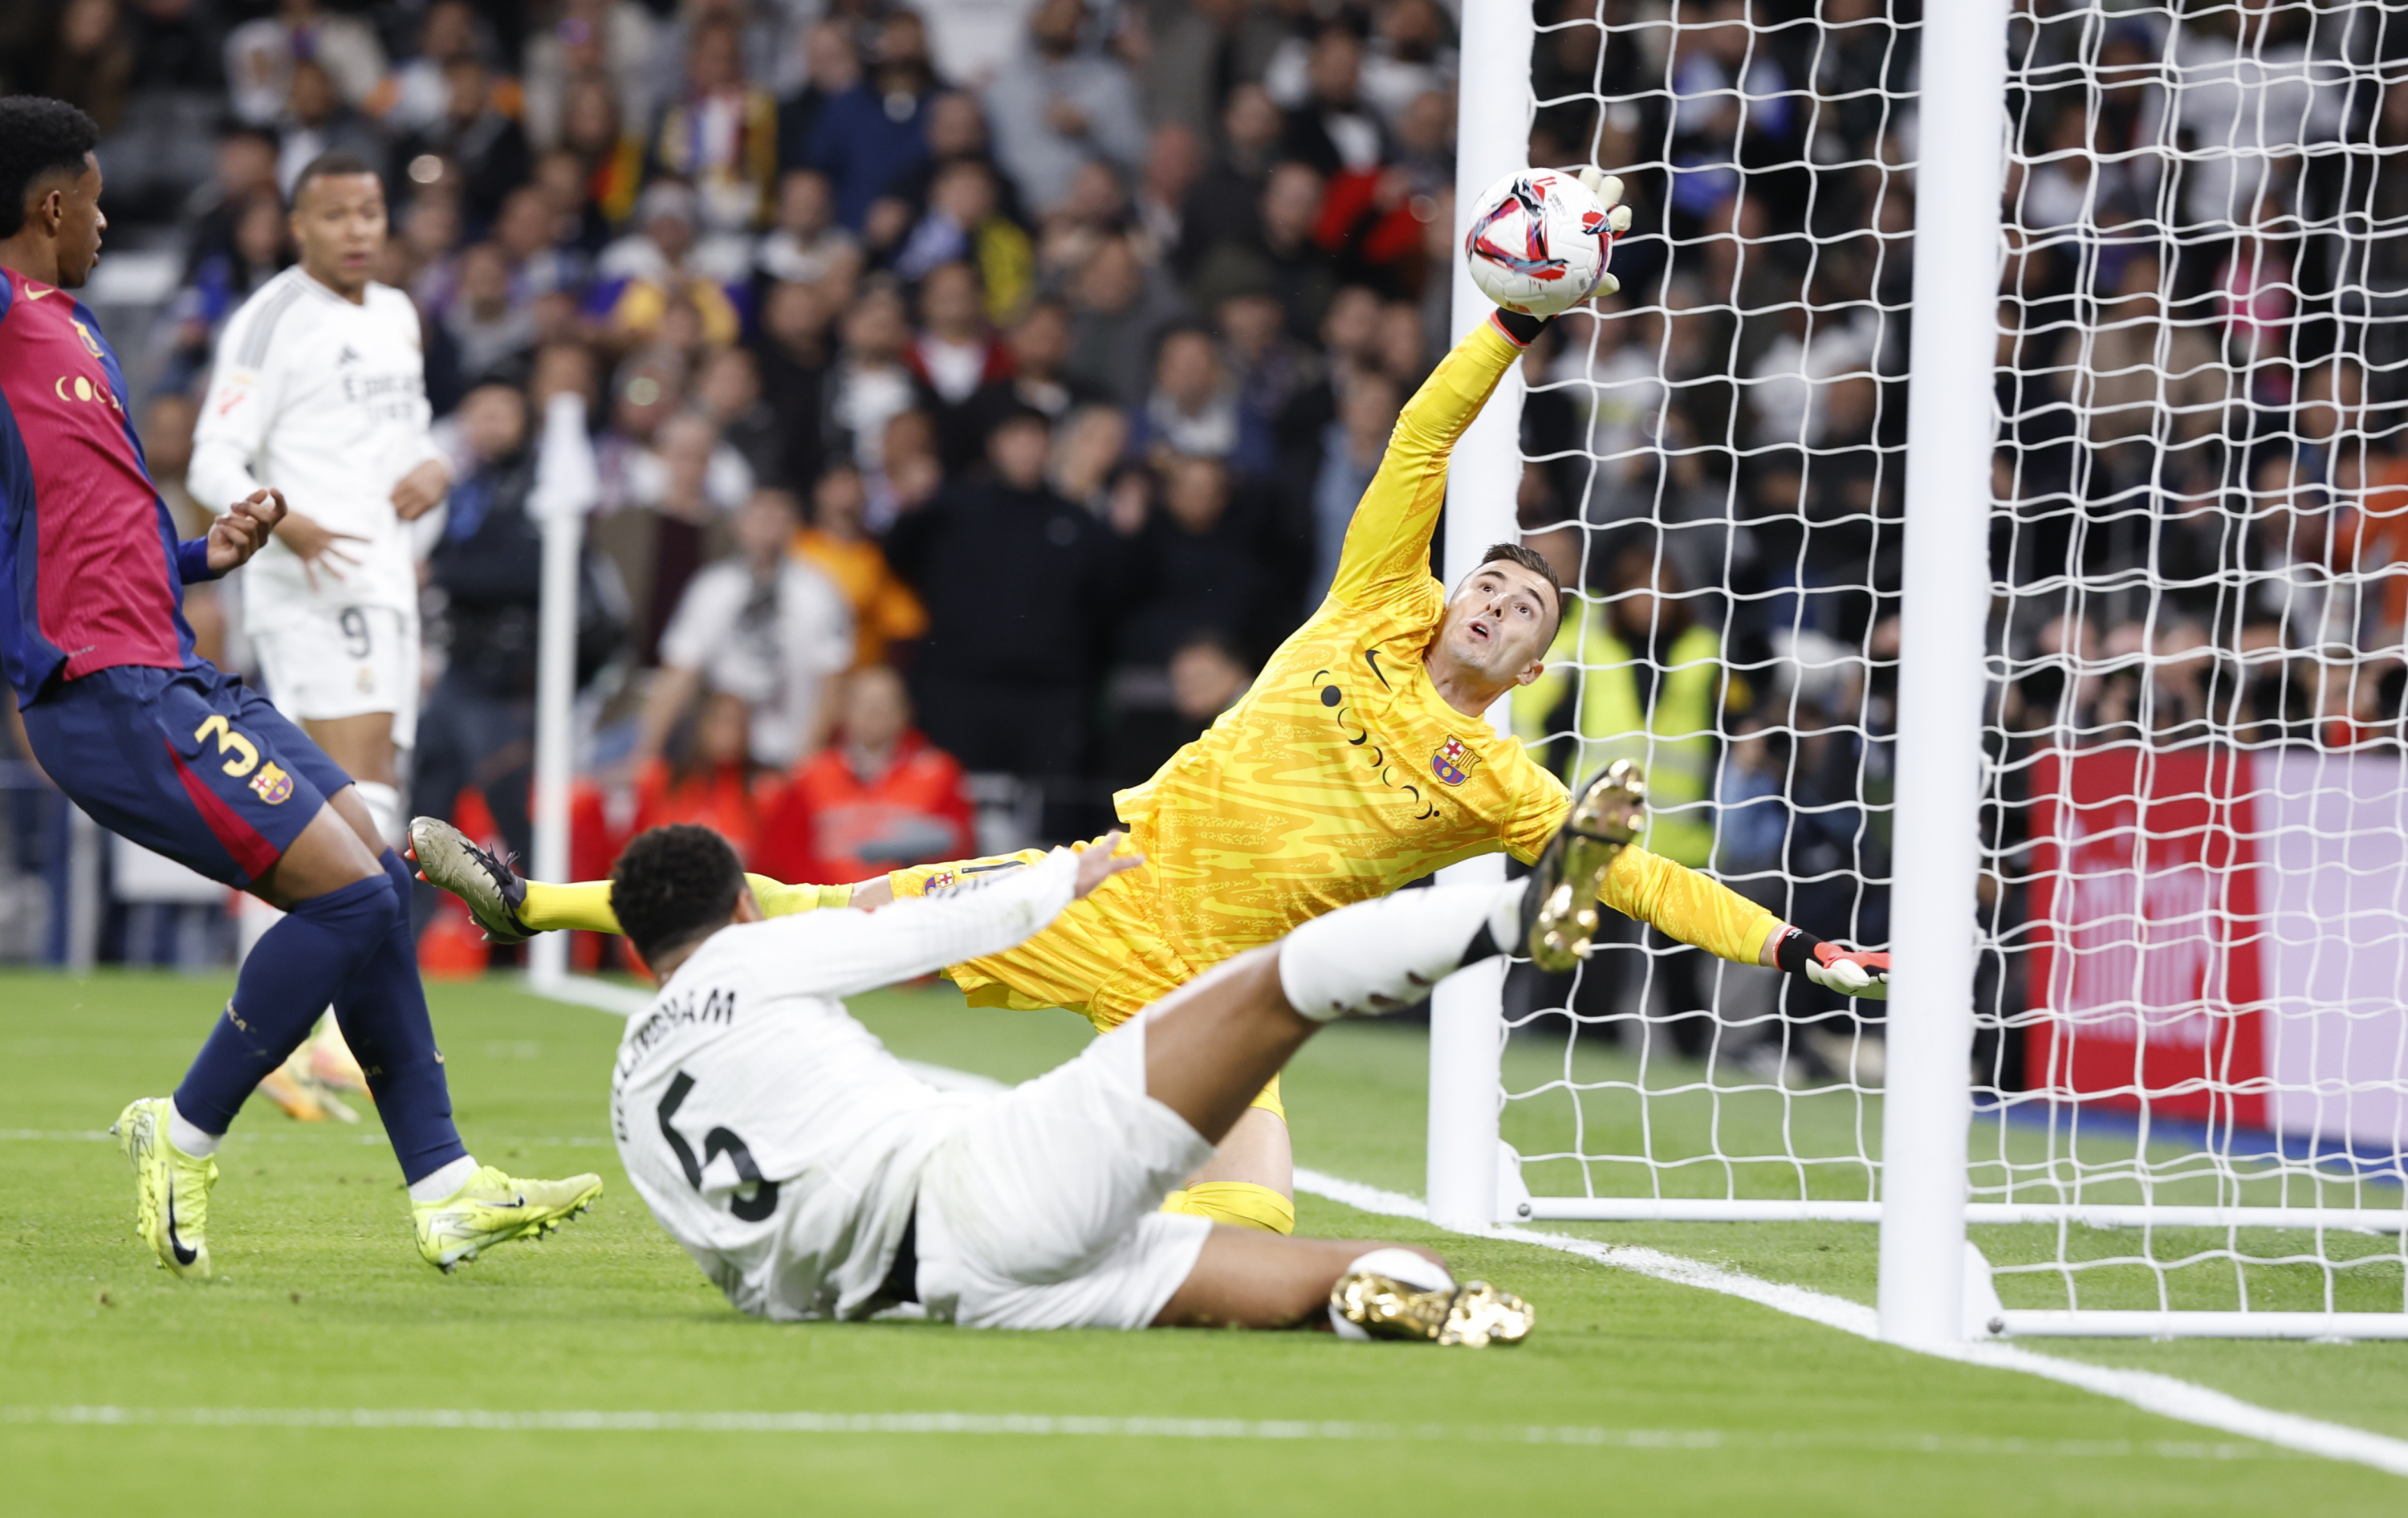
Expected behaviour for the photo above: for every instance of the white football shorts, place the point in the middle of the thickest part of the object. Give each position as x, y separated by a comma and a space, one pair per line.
325, 661
1042, 1211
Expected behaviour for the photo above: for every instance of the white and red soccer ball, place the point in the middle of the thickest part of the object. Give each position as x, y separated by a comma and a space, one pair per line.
1538, 242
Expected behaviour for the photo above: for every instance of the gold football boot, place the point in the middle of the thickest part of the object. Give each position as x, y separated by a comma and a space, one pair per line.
1604, 820
1474, 1314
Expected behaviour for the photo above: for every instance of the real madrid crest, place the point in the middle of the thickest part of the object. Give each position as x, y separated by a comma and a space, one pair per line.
1454, 762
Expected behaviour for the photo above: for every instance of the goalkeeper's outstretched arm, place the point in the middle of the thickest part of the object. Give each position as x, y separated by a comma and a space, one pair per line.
1387, 547
1712, 916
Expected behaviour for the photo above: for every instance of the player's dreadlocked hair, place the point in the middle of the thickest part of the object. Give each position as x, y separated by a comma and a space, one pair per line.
1533, 561
37, 137
674, 884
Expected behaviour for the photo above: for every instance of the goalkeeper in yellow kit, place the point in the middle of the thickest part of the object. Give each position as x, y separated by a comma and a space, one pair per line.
1359, 761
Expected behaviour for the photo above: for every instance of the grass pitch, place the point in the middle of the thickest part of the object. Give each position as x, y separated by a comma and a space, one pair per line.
328, 1369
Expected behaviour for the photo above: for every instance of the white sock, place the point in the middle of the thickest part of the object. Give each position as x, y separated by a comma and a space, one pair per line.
384, 805
436, 1186
1376, 956
184, 1135
1401, 1265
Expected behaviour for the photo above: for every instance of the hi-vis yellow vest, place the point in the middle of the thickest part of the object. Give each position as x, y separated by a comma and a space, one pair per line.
1674, 743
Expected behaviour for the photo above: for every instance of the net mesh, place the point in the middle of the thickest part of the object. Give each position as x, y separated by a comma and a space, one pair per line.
2190, 922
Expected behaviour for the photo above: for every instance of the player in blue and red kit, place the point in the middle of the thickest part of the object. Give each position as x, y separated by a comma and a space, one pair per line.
160, 746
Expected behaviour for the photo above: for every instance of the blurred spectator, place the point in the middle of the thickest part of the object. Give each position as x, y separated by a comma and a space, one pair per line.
610, 154
728, 393
965, 222
1330, 129
475, 135
714, 778
1197, 51
417, 95
1409, 59
639, 275
1279, 255
954, 354
806, 242
830, 68
1174, 159
92, 61
263, 58
318, 121
246, 169
1118, 306
1205, 678
1005, 678
838, 544
871, 135
870, 385
1215, 555
1351, 450
791, 350
763, 625
1039, 347
879, 797
1193, 408
1225, 203
491, 327
1056, 107
478, 726
608, 43
720, 136
1088, 447
258, 247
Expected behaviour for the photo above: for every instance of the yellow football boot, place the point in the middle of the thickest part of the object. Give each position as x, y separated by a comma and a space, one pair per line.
494, 1209
171, 1189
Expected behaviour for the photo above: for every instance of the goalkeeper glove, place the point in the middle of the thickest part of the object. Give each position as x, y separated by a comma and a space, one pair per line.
1851, 972
1524, 329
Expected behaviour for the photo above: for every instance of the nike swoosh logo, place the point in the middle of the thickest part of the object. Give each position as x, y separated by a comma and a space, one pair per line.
32, 293
1371, 657
521, 1202
175, 1242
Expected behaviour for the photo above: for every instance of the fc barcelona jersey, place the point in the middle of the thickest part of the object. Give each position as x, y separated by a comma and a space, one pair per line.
1343, 774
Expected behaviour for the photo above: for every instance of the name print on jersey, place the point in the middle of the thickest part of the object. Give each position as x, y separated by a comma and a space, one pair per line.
717, 1005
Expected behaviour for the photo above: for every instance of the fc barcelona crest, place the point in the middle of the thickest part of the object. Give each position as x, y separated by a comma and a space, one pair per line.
272, 784
1454, 762
941, 883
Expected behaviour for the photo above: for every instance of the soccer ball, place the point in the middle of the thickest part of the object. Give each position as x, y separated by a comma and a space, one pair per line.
1539, 242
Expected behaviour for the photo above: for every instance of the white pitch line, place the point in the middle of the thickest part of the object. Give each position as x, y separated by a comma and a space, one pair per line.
2166, 1396
1045, 1426
2147, 1390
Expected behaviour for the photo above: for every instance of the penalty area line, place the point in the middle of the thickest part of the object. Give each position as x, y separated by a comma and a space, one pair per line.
1045, 1426
2151, 1392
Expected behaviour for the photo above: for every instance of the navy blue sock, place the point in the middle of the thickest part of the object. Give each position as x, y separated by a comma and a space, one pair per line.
382, 1011
292, 973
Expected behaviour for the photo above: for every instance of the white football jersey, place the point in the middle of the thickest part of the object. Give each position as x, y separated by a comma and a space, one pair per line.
771, 1134
325, 401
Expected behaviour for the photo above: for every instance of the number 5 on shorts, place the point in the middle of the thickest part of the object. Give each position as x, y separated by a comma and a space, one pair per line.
229, 741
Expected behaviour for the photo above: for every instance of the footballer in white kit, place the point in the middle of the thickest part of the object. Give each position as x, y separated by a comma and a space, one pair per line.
812, 1175
320, 391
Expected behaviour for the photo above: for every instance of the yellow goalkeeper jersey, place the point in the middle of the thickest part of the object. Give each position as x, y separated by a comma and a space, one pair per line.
1342, 774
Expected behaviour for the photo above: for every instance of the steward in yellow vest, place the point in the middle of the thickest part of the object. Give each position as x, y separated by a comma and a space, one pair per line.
1591, 707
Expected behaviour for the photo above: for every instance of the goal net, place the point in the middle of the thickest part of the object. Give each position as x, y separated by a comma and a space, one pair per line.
2190, 1058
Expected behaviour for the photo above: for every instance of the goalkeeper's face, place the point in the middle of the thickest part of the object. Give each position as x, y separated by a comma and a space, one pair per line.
1497, 626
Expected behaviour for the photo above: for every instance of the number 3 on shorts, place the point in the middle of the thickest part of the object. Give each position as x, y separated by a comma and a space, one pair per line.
246, 753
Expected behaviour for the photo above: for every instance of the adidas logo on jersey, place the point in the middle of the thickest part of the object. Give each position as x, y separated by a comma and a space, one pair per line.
348, 355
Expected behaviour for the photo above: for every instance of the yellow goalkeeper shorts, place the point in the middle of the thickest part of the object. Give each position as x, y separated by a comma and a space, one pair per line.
1104, 957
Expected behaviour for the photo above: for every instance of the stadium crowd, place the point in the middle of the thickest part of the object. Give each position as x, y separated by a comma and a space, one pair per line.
1037, 354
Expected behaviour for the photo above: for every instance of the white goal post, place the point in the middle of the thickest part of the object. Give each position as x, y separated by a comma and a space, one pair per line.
2103, 739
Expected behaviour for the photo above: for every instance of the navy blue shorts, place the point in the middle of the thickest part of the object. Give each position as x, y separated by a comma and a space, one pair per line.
189, 762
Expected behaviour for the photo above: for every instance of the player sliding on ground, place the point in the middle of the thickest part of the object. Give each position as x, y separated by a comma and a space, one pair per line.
156, 744
811, 1176
1359, 761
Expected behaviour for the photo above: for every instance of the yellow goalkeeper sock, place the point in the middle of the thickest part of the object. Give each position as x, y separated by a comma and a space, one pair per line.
778, 900
1242, 1204
584, 903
